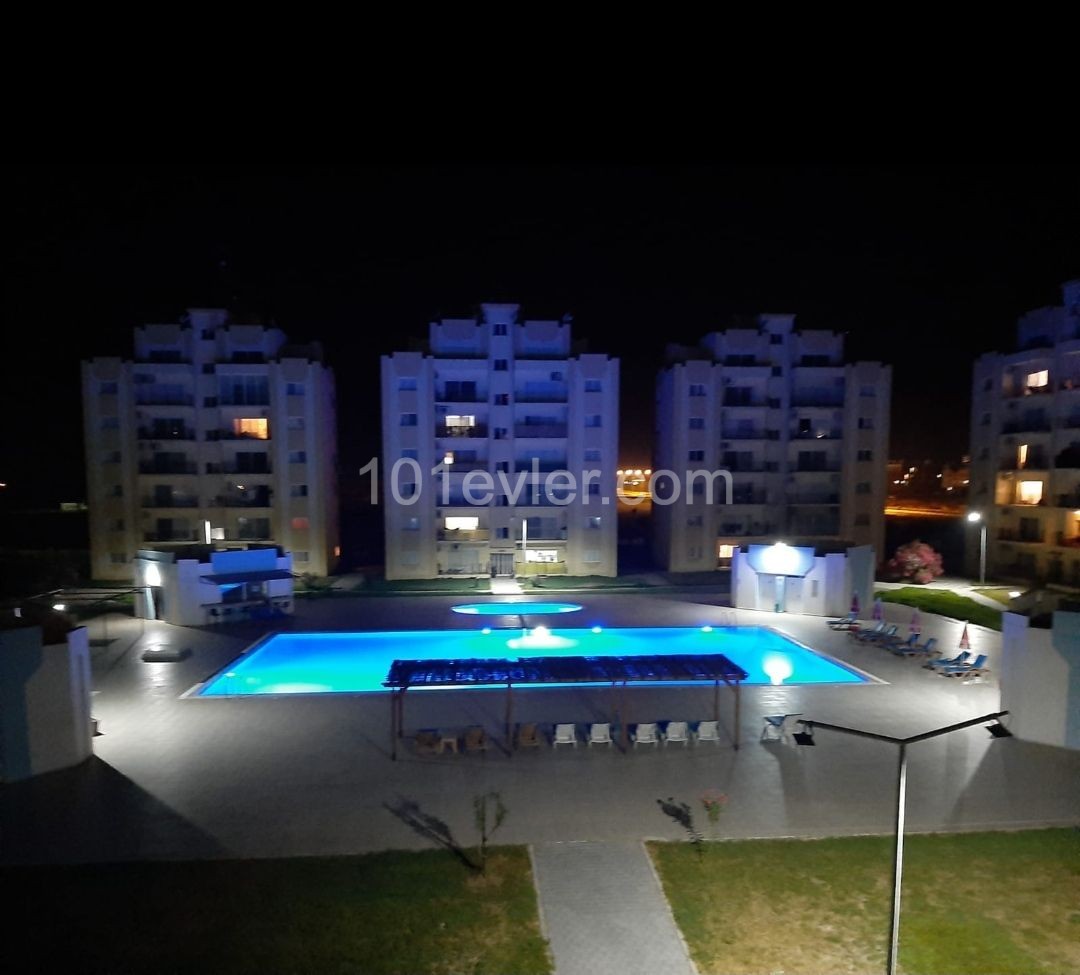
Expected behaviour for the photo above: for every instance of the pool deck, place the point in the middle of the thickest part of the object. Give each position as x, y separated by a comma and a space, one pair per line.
259, 776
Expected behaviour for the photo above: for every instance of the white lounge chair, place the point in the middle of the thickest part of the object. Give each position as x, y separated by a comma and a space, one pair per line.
599, 734
645, 734
677, 731
778, 727
708, 731
565, 734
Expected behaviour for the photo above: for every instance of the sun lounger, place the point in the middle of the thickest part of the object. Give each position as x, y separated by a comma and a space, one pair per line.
677, 731
565, 734
476, 739
528, 736
644, 734
708, 731
879, 636
599, 734
778, 727
916, 649
960, 658
862, 634
976, 669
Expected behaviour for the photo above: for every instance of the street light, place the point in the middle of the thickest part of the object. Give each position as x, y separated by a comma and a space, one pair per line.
806, 737
976, 517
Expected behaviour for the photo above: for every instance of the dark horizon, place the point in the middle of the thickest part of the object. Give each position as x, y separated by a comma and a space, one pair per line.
922, 268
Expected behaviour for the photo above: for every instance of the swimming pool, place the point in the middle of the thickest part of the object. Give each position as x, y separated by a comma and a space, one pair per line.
326, 663
516, 607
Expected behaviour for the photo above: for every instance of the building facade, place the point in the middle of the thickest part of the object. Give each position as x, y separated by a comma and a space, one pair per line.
511, 406
214, 433
802, 433
1025, 450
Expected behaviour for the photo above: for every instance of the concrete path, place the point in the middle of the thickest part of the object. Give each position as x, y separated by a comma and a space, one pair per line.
604, 911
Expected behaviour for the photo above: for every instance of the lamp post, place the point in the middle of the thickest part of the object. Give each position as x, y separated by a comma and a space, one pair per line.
975, 517
806, 737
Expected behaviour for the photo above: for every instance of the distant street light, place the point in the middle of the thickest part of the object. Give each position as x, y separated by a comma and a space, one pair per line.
975, 517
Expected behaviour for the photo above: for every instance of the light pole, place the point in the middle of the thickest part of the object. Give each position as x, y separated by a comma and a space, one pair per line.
806, 737
975, 517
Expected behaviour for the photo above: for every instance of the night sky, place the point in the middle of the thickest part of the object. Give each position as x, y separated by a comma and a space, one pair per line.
923, 268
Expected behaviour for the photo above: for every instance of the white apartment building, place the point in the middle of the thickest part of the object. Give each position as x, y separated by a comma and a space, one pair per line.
803, 434
216, 434
1025, 450
516, 402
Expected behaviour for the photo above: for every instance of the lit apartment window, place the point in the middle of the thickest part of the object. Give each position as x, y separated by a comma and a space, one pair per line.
408, 419
300, 524
594, 420
1021, 456
725, 551
452, 420
593, 386
254, 428
1029, 492
1036, 380
462, 523
406, 384
294, 389
297, 456
697, 423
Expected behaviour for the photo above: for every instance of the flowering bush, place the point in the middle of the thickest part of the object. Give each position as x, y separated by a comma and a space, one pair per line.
714, 803
916, 561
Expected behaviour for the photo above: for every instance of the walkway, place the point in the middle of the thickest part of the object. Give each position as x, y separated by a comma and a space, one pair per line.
605, 912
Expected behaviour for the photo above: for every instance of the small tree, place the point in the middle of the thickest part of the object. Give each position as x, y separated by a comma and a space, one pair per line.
916, 561
488, 814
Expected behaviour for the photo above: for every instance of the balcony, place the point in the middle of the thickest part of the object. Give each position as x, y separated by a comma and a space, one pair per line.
464, 535
1030, 425
542, 466
540, 430
164, 399
816, 399
537, 396
746, 528
476, 431
822, 497
230, 467
168, 467
742, 397
460, 397
1068, 500
1067, 541
165, 433
741, 433
818, 435
176, 501
233, 435
1034, 462
260, 499
749, 497
1022, 391
173, 536
817, 466
1028, 535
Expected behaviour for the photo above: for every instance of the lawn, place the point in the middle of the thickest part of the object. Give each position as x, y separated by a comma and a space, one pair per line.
974, 904
999, 595
944, 603
382, 913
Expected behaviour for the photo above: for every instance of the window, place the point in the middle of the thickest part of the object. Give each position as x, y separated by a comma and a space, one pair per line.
594, 420
804, 427
593, 522
1021, 456
697, 423
410, 558
866, 423
301, 557
592, 454
502, 399
108, 389
593, 386
592, 555
502, 532
694, 521
244, 390
693, 552
499, 328
776, 371
298, 491
110, 423
408, 419
462, 422
462, 523
864, 455
696, 455
118, 558
725, 551
1037, 380
501, 365
697, 389
295, 389
300, 524
867, 391
297, 456
406, 384
411, 524
862, 520
775, 339
253, 428
499, 433
1029, 492
863, 487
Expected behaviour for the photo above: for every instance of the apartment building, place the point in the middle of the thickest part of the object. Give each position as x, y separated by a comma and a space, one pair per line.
803, 434
217, 434
497, 401
1025, 449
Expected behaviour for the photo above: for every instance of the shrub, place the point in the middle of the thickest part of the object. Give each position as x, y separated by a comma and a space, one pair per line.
916, 561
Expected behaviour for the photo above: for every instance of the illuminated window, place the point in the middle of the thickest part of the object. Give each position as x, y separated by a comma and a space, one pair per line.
725, 551
1037, 380
1029, 492
460, 421
1021, 456
462, 523
254, 427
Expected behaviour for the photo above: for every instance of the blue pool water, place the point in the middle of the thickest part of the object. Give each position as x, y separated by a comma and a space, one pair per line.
323, 663
515, 607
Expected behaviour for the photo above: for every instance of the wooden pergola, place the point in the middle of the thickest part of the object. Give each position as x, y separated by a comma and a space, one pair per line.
616, 671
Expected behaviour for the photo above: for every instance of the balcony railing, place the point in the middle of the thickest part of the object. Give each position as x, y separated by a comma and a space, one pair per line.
744, 434
233, 468
464, 534
536, 396
165, 433
168, 467
173, 502
746, 528
233, 435
1068, 500
542, 466
229, 501
1034, 462
748, 497
818, 435
1020, 535
1032, 425
476, 430
827, 497
173, 536
539, 430
817, 399
1067, 541
164, 399
827, 466
447, 397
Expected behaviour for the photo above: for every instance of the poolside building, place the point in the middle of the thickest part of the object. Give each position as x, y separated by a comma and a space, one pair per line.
214, 433
802, 433
522, 425
1025, 450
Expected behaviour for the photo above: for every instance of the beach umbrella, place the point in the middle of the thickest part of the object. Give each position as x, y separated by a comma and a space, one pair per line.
854, 604
879, 610
965, 643
916, 623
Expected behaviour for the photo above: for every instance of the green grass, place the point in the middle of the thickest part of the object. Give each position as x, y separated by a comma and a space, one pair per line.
378, 914
944, 603
999, 595
581, 582
973, 904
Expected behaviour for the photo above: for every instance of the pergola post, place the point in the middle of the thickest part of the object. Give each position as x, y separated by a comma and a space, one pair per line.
509, 708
